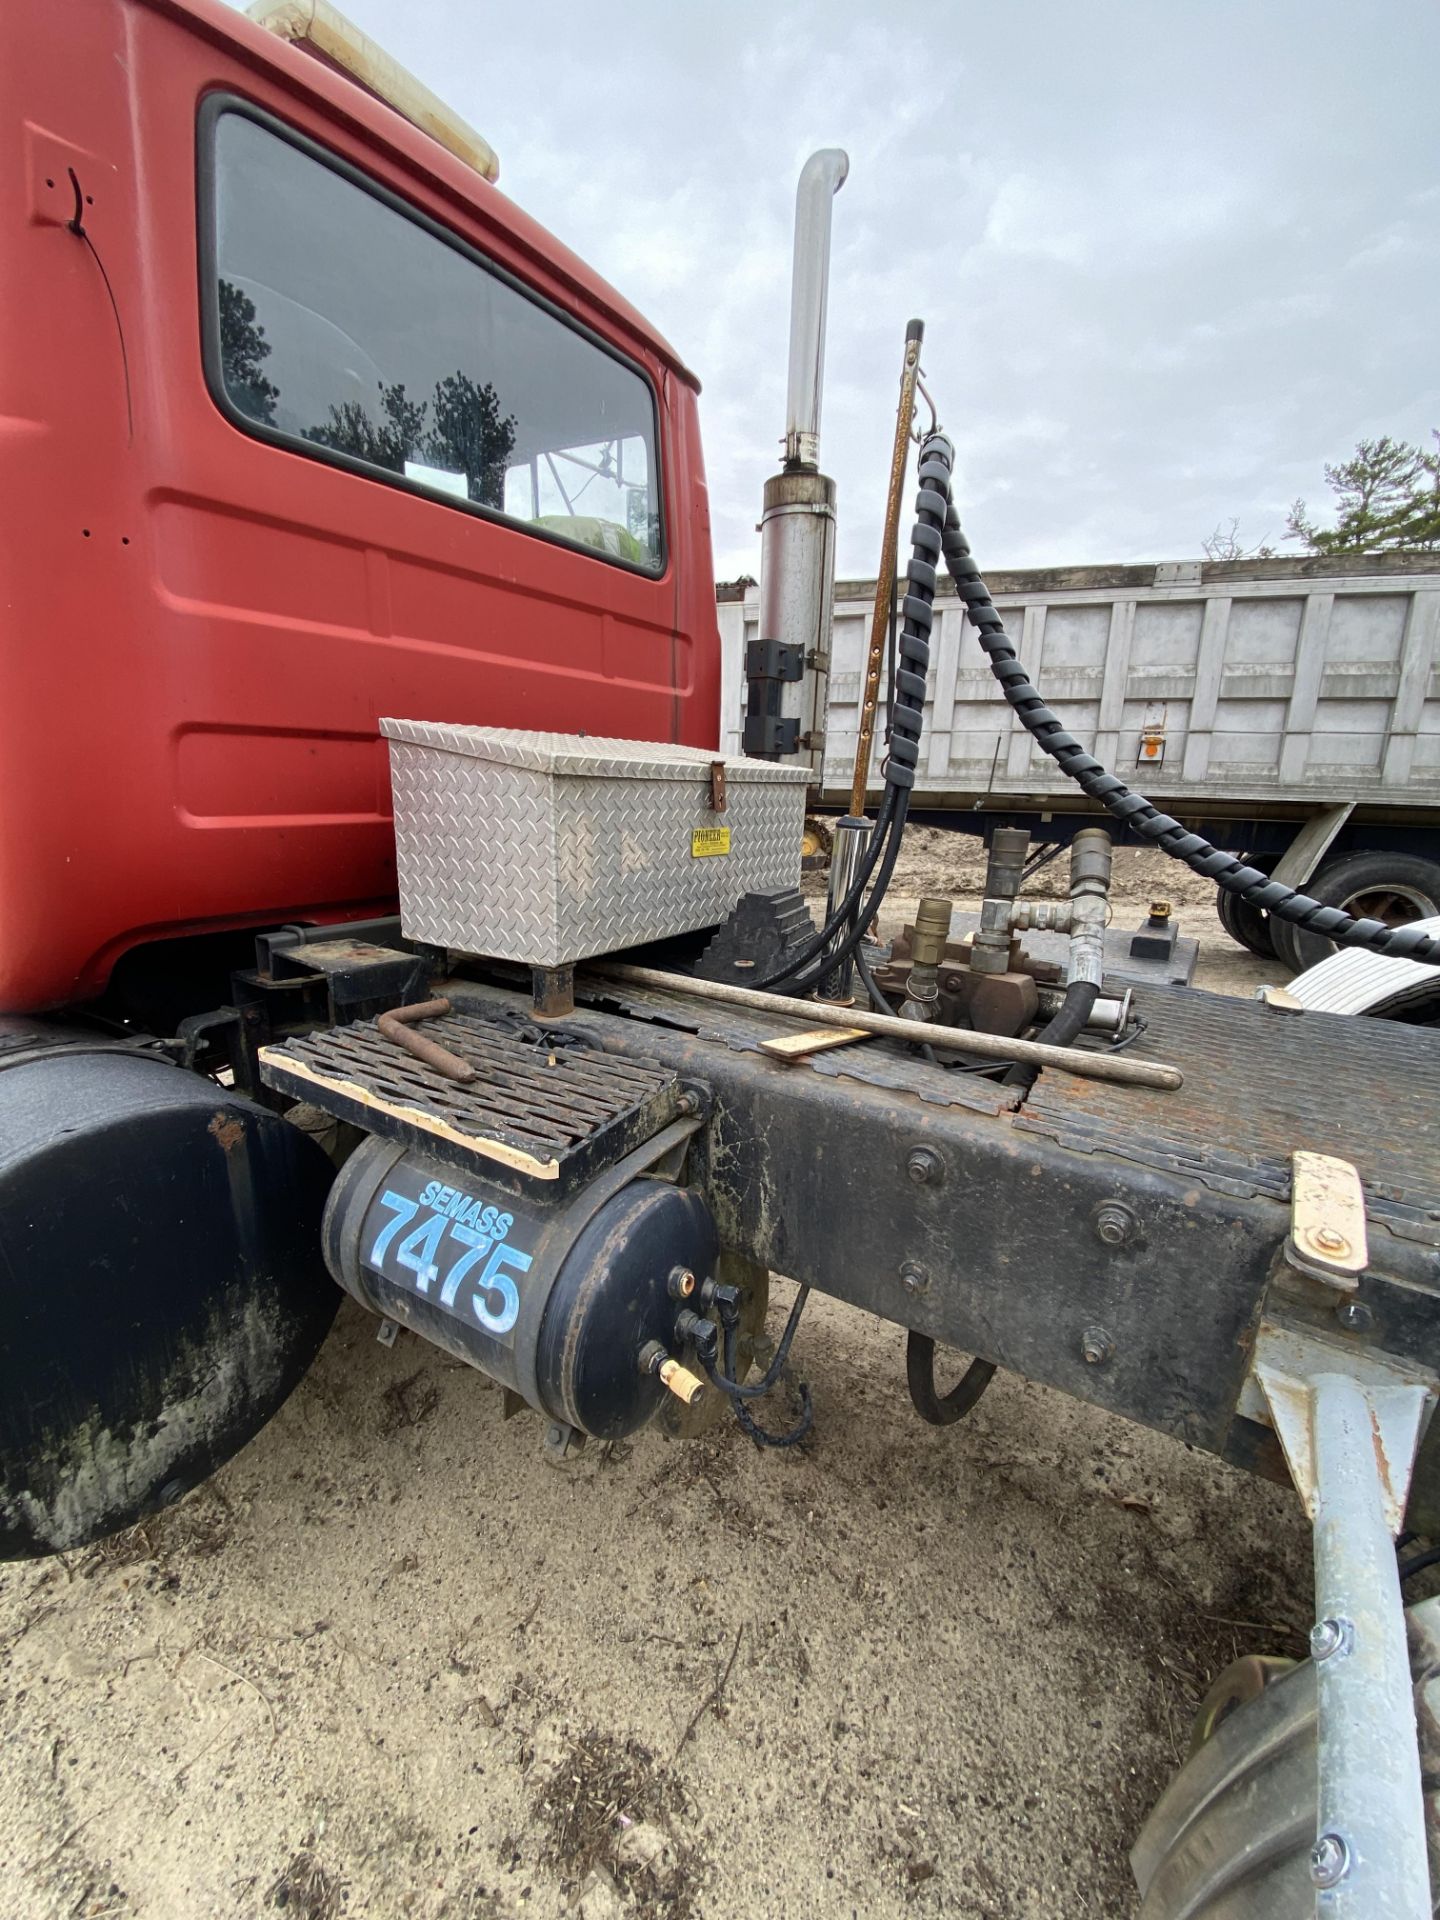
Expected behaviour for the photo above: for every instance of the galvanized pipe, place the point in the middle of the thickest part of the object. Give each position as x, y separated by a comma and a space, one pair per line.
821, 178
1090, 861
1369, 1861
1116, 1068
847, 849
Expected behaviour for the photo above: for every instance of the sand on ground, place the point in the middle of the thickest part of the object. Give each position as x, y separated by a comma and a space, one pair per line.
391, 1663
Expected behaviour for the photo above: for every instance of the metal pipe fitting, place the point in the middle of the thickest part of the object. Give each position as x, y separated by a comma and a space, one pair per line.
990, 947
1004, 872
1091, 857
1041, 916
932, 931
1005, 869
851, 837
821, 178
1108, 1015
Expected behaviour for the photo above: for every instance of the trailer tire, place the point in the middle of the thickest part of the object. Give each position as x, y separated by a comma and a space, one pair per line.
1232, 1833
1394, 887
1251, 926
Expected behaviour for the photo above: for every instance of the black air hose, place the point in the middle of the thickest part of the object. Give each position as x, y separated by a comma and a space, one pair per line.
1065, 1027
1132, 809
936, 1408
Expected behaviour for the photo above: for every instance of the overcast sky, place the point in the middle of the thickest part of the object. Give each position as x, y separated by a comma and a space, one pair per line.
1171, 257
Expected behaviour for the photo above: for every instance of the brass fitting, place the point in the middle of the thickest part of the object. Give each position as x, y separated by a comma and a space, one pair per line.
932, 930
687, 1387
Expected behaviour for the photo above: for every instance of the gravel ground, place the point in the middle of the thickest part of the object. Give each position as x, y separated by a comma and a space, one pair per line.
390, 1663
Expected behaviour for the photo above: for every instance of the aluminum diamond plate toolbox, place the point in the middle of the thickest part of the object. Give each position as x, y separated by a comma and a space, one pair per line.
549, 847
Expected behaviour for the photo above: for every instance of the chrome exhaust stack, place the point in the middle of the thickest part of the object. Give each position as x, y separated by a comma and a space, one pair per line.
786, 669
821, 178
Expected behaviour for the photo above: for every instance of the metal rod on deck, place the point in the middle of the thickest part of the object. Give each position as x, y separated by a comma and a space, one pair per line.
1115, 1068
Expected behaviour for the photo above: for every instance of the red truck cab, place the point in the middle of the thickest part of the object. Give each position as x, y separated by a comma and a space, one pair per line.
303, 423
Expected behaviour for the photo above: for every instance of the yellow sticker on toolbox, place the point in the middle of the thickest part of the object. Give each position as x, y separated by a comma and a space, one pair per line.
707, 840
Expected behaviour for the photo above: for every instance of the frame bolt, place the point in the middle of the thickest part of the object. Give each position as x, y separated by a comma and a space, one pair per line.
1115, 1224
1354, 1316
1096, 1345
1327, 1240
561, 1441
925, 1167
1329, 1861
1329, 1637
914, 1278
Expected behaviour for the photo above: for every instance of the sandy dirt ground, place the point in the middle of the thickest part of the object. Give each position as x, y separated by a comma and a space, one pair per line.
390, 1663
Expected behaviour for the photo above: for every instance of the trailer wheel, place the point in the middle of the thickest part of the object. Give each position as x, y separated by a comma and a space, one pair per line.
816, 844
1394, 887
1250, 926
1230, 1838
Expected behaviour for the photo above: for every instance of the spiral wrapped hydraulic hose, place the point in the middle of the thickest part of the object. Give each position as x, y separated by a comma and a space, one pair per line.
907, 721
1133, 809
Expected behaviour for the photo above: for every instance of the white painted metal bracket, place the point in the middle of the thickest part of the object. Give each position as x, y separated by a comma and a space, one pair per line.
1350, 1424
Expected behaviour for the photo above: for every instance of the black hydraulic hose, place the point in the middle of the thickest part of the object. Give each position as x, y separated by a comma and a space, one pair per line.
1133, 809
941, 1409
815, 948
1418, 1563
837, 955
937, 458
738, 1395
1064, 1027
757, 1389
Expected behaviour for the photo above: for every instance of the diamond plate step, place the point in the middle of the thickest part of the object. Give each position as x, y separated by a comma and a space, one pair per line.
541, 1106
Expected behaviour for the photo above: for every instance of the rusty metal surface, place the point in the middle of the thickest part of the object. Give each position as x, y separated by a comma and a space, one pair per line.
534, 1098
1258, 1085
879, 1064
1328, 1238
395, 1026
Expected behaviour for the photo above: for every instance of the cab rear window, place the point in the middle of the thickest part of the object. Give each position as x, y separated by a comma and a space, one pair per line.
354, 331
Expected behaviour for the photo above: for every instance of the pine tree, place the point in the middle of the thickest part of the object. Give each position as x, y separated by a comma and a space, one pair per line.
468, 436
242, 348
458, 429
387, 443
1387, 499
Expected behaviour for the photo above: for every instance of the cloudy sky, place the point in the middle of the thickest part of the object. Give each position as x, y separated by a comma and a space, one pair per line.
1172, 255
